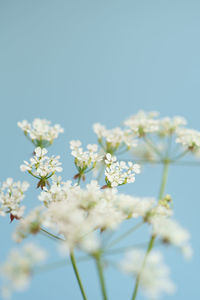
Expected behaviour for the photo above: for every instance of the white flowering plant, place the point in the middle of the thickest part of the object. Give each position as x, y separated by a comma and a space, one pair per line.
82, 214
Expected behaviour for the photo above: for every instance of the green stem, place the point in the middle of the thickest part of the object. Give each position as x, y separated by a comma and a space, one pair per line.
164, 178
181, 154
151, 145
101, 277
150, 246
73, 261
151, 242
51, 235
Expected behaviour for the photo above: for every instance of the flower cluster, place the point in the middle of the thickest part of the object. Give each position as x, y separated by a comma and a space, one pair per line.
169, 126
11, 195
143, 123
172, 233
40, 131
31, 224
114, 139
189, 139
77, 213
41, 166
154, 277
19, 267
119, 173
84, 159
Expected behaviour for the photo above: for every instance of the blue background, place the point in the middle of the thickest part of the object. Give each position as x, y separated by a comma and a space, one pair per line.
79, 62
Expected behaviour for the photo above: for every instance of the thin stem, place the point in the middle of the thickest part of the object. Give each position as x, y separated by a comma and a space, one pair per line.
181, 155
101, 277
150, 246
73, 261
151, 145
124, 235
164, 179
151, 242
51, 235
100, 172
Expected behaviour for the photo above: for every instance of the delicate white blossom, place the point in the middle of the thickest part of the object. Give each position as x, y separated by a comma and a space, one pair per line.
30, 224
168, 126
143, 123
118, 173
172, 233
85, 159
189, 139
11, 195
41, 165
40, 131
19, 267
154, 274
58, 191
112, 139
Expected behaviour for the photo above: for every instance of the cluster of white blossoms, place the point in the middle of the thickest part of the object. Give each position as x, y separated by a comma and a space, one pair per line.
119, 173
30, 224
58, 191
172, 233
42, 166
168, 126
113, 139
85, 159
154, 274
143, 123
77, 213
40, 131
11, 195
18, 268
189, 139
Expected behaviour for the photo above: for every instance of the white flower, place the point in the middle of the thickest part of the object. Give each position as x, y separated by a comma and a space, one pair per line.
154, 274
57, 192
77, 213
168, 126
135, 207
171, 232
17, 270
189, 139
42, 165
143, 123
41, 131
113, 138
85, 159
31, 224
11, 195
118, 173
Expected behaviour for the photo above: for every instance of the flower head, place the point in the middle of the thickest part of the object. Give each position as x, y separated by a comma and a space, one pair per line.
19, 266
11, 195
40, 131
143, 123
42, 166
119, 173
85, 159
154, 274
172, 233
113, 139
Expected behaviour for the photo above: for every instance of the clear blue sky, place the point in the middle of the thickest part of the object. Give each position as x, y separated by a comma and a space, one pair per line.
77, 62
